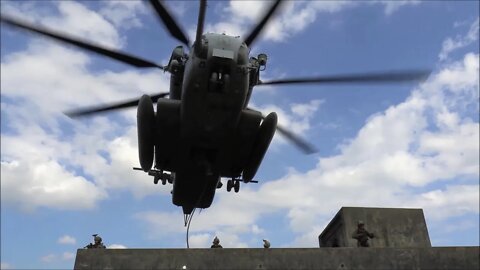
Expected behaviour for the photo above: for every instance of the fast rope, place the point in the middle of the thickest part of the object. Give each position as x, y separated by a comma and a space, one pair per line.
188, 219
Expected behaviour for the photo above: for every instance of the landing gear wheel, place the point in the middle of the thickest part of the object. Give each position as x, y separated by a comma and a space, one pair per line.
236, 186
229, 185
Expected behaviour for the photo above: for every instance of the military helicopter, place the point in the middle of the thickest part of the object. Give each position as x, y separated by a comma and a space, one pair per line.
202, 130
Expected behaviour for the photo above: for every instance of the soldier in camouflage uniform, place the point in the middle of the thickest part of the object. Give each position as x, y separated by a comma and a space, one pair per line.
216, 243
97, 242
362, 235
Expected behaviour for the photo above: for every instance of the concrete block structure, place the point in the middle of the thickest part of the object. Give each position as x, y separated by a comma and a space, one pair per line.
392, 227
279, 258
401, 242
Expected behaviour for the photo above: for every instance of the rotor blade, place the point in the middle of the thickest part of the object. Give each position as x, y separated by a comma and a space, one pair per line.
117, 55
115, 106
256, 31
302, 144
201, 20
169, 22
386, 77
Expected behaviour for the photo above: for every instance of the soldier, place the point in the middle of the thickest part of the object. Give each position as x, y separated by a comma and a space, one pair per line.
362, 235
97, 242
216, 243
266, 243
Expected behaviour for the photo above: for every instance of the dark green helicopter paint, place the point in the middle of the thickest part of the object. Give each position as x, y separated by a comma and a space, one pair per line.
205, 130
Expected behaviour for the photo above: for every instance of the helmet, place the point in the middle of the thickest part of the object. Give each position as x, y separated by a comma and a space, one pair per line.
360, 223
216, 240
97, 238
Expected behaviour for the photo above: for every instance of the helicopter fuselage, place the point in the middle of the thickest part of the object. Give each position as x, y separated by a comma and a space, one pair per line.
215, 87
205, 131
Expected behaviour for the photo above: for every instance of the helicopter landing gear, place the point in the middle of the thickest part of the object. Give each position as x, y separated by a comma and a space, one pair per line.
233, 183
236, 186
229, 185
158, 175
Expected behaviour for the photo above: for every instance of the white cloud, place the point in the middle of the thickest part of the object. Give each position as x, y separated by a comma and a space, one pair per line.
308, 238
39, 74
67, 240
407, 146
200, 240
124, 14
52, 157
306, 110
231, 240
74, 18
292, 18
297, 15
178, 9
257, 230
297, 119
27, 10
49, 258
116, 246
52, 258
453, 201
169, 222
83, 22
45, 184
67, 256
458, 226
5, 265
392, 6
248, 9
452, 44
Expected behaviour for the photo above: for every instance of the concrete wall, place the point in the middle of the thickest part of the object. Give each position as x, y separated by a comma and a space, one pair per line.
392, 227
278, 258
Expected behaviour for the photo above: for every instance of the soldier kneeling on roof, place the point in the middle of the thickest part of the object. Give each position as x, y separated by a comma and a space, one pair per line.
97, 242
216, 243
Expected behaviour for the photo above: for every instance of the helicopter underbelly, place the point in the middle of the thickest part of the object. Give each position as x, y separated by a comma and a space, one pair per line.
194, 188
223, 154
198, 166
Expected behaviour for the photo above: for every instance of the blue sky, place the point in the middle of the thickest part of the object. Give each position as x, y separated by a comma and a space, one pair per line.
408, 145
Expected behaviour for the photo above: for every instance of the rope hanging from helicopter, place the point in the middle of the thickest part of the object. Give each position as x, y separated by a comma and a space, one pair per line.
187, 218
